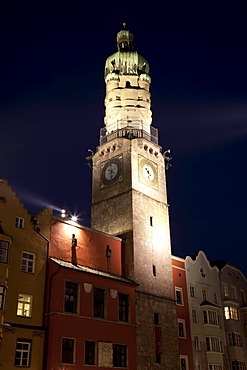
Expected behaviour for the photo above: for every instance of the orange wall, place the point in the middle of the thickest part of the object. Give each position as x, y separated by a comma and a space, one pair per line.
91, 247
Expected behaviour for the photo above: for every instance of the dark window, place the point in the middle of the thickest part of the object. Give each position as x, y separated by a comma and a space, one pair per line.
179, 298
4, 251
119, 355
158, 358
181, 333
2, 296
99, 303
154, 270
156, 319
183, 364
68, 351
23, 352
123, 307
89, 353
19, 222
70, 298
151, 221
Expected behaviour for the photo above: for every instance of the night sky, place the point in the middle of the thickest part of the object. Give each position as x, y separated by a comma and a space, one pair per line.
52, 108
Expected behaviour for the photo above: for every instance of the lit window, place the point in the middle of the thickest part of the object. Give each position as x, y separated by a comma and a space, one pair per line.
225, 290
27, 262
231, 313
2, 296
23, 352
123, 307
89, 352
19, 222
119, 355
24, 307
179, 295
70, 297
4, 251
68, 350
181, 329
99, 303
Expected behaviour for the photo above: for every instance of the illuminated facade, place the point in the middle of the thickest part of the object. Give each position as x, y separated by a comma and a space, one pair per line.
129, 200
90, 310
23, 255
210, 350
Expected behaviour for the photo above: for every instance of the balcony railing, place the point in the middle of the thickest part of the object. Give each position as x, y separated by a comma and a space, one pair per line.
129, 132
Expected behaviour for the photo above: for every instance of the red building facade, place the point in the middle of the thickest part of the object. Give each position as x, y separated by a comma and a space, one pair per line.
183, 314
90, 309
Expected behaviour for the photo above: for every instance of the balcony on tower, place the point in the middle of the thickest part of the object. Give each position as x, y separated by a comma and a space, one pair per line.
129, 129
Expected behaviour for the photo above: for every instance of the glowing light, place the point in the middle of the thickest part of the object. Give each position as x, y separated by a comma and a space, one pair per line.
63, 213
74, 218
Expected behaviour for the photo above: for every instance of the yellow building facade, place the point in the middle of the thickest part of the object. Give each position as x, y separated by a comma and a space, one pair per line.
23, 256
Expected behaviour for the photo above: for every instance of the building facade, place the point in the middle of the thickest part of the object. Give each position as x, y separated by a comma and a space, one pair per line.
183, 313
23, 258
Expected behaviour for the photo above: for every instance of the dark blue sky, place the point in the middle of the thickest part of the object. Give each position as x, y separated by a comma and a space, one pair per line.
52, 108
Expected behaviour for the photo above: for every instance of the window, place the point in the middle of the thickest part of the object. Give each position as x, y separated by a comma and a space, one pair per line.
194, 316
151, 221
235, 339
89, 352
234, 292
179, 295
99, 303
156, 319
231, 313
215, 298
196, 343
238, 365
2, 296
70, 297
243, 297
27, 262
119, 355
204, 295
123, 307
181, 329
154, 270
213, 344
210, 317
23, 352
192, 291
158, 358
183, 363
215, 367
4, 251
225, 290
24, 306
68, 350
19, 222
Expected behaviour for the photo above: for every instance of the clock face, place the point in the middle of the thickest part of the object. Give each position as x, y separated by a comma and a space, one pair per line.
111, 171
148, 172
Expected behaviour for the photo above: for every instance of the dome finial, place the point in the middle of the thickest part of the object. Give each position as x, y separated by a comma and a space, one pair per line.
124, 24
